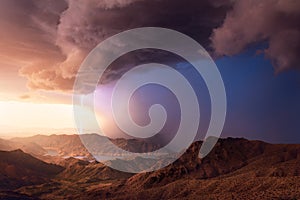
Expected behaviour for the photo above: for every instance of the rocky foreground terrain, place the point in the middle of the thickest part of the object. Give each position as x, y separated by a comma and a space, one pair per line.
235, 169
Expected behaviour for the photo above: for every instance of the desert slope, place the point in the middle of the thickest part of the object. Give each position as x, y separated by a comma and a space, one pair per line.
235, 169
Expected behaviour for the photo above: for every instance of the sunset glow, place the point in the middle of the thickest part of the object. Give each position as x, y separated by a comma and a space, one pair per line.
20, 115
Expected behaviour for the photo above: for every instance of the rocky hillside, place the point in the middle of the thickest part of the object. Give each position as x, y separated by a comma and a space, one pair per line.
234, 169
18, 169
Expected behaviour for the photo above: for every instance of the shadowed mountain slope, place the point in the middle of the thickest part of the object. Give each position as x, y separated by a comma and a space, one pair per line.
18, 169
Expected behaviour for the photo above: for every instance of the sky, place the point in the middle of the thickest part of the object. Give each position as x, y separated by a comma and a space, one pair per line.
255, 45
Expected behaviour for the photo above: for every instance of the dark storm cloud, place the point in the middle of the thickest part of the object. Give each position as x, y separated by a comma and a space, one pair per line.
274, 21
83, 25
53, 37
86, 24
62, 35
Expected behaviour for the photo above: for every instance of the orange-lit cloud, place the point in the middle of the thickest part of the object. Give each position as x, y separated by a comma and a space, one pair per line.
25, 96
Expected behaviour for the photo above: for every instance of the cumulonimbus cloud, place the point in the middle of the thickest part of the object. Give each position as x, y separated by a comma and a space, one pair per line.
275, 21
83, 24
53, 38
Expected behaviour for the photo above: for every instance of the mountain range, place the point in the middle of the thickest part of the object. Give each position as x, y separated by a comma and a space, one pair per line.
236, 168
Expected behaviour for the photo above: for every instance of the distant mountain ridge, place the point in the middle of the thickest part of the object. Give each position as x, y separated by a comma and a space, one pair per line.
72, 145
236, 168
